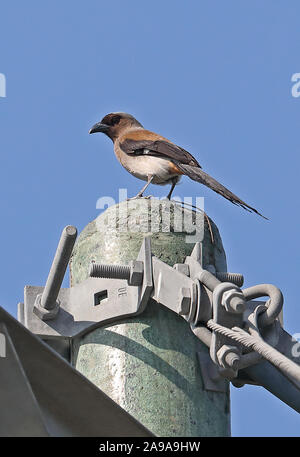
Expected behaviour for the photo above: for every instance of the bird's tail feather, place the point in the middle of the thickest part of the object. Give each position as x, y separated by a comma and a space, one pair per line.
197, 174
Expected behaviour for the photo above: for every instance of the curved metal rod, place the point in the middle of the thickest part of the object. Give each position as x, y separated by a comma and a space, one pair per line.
274, 305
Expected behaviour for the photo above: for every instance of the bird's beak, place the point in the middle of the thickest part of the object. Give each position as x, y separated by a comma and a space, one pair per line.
99, 128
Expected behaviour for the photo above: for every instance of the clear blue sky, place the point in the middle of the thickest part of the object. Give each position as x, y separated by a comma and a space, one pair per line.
213, 76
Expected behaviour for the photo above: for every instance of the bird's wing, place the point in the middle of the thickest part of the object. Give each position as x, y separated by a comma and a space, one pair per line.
144, 142
157, 148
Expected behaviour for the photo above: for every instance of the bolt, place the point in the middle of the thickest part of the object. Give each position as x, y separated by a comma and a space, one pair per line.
235, 278
232, 360
100, 270
132, 272
228, 357
234, 301
46, 304
184, 301
58, 267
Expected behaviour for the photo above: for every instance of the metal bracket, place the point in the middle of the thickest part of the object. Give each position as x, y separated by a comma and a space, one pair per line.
174, 290
93, 302
212, 379
228, 317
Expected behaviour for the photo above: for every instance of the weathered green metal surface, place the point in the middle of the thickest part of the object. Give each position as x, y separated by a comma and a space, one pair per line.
148, 364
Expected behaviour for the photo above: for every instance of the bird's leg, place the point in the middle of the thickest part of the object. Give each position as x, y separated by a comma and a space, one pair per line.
140, 194
174, 182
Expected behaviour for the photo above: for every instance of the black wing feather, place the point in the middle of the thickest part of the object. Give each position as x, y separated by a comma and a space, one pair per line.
158, 148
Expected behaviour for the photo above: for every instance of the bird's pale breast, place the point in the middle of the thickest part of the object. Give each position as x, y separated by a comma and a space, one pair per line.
143, 166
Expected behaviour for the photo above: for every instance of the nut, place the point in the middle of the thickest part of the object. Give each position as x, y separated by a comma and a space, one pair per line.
184, 301
228, 357
136, 273
43, 313
234, 301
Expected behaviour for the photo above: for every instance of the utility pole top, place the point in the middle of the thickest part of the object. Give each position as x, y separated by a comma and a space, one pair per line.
149, 364
116, 235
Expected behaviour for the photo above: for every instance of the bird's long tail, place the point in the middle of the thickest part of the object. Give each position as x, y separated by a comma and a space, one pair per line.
197, 174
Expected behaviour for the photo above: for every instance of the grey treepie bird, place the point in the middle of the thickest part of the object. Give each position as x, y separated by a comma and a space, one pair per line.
154, 159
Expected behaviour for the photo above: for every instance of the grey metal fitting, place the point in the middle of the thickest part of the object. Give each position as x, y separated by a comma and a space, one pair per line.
274, 304
101, 270
182, 268
46, 304
43, 313
234, 301
58, 267
136, 273
229, 357
208, 279
184, 301
133, 272
235, 278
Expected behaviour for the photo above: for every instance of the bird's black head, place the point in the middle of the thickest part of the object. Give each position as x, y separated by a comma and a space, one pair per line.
114, 123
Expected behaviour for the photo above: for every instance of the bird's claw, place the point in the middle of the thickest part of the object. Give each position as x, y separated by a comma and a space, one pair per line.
139, 196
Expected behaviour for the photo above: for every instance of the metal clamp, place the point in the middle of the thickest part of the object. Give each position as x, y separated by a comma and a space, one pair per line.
178, 288
93, 302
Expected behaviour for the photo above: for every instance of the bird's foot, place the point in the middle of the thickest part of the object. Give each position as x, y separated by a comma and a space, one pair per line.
139, 196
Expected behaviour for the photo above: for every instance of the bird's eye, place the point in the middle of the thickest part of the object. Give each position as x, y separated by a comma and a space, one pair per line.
111, 120
115, 120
